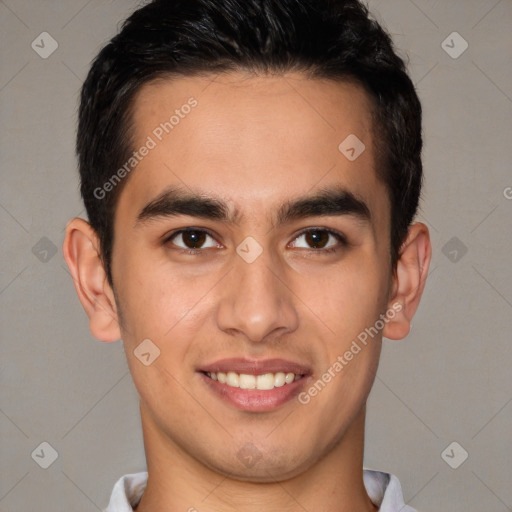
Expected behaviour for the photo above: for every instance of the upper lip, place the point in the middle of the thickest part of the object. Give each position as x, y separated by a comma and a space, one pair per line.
256, 367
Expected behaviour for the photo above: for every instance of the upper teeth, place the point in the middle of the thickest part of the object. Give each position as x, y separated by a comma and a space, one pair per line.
245, 381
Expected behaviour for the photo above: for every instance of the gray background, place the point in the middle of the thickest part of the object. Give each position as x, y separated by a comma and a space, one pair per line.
448, 381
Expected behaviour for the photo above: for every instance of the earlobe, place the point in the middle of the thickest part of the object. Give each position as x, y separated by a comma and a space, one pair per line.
409, 280
82, 254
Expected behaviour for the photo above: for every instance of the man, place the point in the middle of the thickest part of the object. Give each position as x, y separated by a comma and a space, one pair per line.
251, 170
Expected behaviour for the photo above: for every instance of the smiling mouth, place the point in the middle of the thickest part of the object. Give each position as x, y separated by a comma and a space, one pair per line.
266, 381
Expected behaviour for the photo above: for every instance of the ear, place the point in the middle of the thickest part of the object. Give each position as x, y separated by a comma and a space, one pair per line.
81, 251
408, 281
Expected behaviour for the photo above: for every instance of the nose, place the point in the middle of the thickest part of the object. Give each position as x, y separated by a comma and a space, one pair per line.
257, 301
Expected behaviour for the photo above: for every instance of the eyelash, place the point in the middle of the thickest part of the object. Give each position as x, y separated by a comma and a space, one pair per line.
199, 252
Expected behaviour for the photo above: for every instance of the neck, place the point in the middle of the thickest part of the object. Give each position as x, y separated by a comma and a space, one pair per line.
177, 481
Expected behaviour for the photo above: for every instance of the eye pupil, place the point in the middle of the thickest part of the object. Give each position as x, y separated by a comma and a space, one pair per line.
194, 239
317, 239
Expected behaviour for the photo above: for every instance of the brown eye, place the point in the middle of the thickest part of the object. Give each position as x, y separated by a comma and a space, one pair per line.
193, 239
320, 240
317, 239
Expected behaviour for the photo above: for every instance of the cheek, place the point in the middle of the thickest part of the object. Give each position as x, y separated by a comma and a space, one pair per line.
347, 298
159, 307
162, 303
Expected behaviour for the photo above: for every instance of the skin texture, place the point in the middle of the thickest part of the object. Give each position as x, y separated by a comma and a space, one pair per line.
254, 142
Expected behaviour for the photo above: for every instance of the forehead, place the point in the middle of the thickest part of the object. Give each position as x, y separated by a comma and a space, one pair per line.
239, 108
252, 140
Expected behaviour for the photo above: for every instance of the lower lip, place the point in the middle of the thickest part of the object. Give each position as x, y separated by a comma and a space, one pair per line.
254, 400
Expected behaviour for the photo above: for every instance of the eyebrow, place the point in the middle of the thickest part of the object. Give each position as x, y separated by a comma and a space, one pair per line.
327, 202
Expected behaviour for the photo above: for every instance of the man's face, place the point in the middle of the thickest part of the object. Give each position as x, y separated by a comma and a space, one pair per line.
237, 287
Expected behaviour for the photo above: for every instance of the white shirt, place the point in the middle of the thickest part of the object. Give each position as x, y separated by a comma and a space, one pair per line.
383, 489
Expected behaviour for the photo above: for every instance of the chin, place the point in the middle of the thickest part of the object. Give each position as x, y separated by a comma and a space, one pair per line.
262, 465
